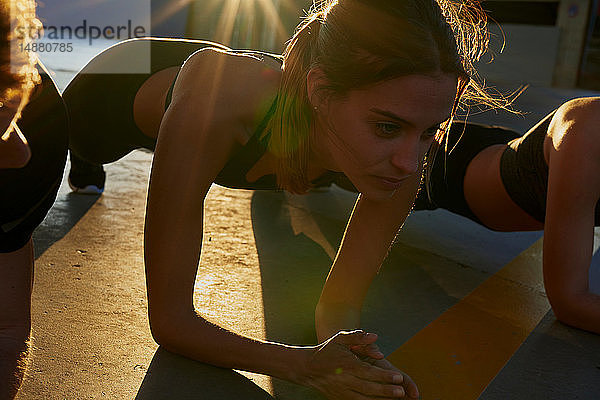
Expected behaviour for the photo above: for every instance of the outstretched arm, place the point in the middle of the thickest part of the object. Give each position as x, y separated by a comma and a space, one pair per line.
368, 236
195, 141
573, 191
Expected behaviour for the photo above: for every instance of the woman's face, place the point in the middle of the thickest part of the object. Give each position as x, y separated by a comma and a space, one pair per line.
378, 136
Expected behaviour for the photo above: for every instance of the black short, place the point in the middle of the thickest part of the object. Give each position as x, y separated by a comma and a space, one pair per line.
465, 141
101, 104
26, 194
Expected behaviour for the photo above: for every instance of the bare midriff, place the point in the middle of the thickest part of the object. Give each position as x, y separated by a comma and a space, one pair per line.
487, 197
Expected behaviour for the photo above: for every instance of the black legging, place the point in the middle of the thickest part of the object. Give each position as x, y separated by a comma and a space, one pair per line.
100, 103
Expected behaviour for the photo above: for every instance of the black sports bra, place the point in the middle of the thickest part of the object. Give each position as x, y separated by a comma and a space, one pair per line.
233, 174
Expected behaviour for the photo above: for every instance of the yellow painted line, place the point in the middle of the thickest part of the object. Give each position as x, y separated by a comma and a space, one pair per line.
457, 355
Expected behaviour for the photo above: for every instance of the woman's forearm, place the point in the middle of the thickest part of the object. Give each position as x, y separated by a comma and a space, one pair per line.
331, 367
193, 336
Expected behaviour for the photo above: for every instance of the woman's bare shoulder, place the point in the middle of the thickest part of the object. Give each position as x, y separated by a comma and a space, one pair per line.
583, 114
236, 86
238, 74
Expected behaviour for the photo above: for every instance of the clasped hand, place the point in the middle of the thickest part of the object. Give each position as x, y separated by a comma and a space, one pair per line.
349, 366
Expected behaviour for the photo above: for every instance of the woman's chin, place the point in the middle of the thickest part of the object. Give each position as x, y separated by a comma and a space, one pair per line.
377, 194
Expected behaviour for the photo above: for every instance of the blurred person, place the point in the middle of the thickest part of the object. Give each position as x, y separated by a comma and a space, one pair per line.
357, 98
33, 150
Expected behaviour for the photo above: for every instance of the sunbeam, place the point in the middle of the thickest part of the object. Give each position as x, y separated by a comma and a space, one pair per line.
272, 18
169, 9
257, 24
226, 23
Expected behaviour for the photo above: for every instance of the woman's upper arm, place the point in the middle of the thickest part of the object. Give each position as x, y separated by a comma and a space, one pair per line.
573, 191
195, 141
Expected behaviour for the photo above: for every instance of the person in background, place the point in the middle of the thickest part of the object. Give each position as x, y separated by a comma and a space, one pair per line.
33, 150
546, 179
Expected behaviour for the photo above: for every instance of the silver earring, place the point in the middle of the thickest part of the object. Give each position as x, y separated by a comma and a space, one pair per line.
316, 108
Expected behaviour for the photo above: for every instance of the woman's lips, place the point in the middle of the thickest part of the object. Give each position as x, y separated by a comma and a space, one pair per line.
390, 183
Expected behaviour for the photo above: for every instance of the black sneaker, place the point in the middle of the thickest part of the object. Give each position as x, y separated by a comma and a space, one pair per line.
86, 177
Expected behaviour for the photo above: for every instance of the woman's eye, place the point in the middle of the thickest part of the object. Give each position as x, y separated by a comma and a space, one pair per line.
387, 129
431, 132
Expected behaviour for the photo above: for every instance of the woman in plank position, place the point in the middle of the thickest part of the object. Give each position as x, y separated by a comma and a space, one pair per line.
359, 94
33, 152
546, 179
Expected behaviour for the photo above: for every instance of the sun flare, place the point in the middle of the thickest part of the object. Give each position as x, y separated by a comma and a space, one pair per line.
255, 24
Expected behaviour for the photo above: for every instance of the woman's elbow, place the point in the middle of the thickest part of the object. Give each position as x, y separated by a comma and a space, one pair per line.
571, 308
565, 314
159, 328
164, 327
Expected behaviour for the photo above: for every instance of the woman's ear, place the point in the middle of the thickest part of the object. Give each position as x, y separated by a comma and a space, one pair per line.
315, 87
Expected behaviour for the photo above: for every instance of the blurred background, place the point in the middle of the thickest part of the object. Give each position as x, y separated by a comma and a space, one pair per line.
538, 42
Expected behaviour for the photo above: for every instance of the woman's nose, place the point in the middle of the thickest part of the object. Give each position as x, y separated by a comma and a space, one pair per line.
406, 156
